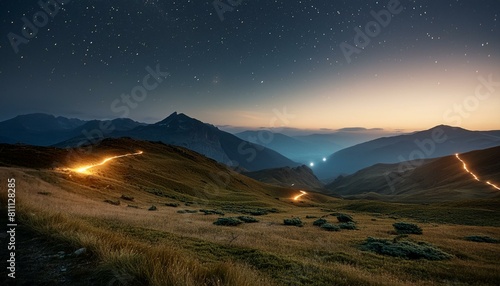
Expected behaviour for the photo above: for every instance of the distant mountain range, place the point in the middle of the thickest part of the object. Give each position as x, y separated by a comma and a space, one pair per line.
176, 129
303, 151
311, 147
436, 142
44, 129
441, 179
253, 150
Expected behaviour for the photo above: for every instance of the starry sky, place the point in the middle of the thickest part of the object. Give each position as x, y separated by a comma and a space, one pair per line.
434, 62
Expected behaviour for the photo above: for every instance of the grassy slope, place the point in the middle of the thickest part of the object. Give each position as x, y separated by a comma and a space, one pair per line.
441, 179
165, 247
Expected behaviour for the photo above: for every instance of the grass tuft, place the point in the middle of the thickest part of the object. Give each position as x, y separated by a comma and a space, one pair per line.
344, 218
404, 249
347, 225
248, 219
482, 238
228, 221
319, 222
330, 227
407, 228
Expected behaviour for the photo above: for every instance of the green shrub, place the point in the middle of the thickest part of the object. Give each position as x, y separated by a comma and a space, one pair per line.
293, 221
330, 227
248, 219
481, 238
407, 228
344, 218
187, 211
116, 203
174, 205
256, 212
404, 249
347, 225
127, 198
211, 212
228, 221
319, 222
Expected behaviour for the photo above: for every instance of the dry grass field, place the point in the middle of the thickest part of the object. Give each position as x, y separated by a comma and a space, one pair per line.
108, 212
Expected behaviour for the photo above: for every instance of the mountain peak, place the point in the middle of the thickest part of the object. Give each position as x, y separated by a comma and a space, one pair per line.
446, 129
174, 117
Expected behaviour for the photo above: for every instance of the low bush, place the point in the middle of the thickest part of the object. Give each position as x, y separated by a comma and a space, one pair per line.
212, 212
344, 218
116, 203
153, 208
248, 219
228, 221
187, 211
407, 228
404, 249
127, 198
293, 221
319, 222
174, 205
347, 225
482, 238
330, 227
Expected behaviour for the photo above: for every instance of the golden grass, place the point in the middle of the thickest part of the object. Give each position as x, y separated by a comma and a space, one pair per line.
167, 248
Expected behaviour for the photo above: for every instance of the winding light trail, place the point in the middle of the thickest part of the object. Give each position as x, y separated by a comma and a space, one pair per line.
298, 196
86, 168
474, 175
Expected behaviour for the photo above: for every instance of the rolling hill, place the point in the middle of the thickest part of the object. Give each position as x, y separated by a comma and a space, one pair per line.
436, 142
299, 177
153, 219
182, 130
435, 180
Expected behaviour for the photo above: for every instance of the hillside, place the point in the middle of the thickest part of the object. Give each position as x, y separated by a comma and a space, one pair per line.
298, 177
148, 219
433, 143
173, 171
182, 130
441, 179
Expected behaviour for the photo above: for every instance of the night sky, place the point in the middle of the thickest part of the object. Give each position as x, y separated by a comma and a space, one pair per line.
420, 70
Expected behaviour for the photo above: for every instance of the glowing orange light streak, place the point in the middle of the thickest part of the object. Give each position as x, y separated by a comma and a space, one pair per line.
86, 168
298, 196
467, 170
474, 175
493, 185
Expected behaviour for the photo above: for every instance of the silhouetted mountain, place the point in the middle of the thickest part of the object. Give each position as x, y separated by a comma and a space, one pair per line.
436, 142
182, 130
95, 130
441, 179
38, 129
44, 130
298, 177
